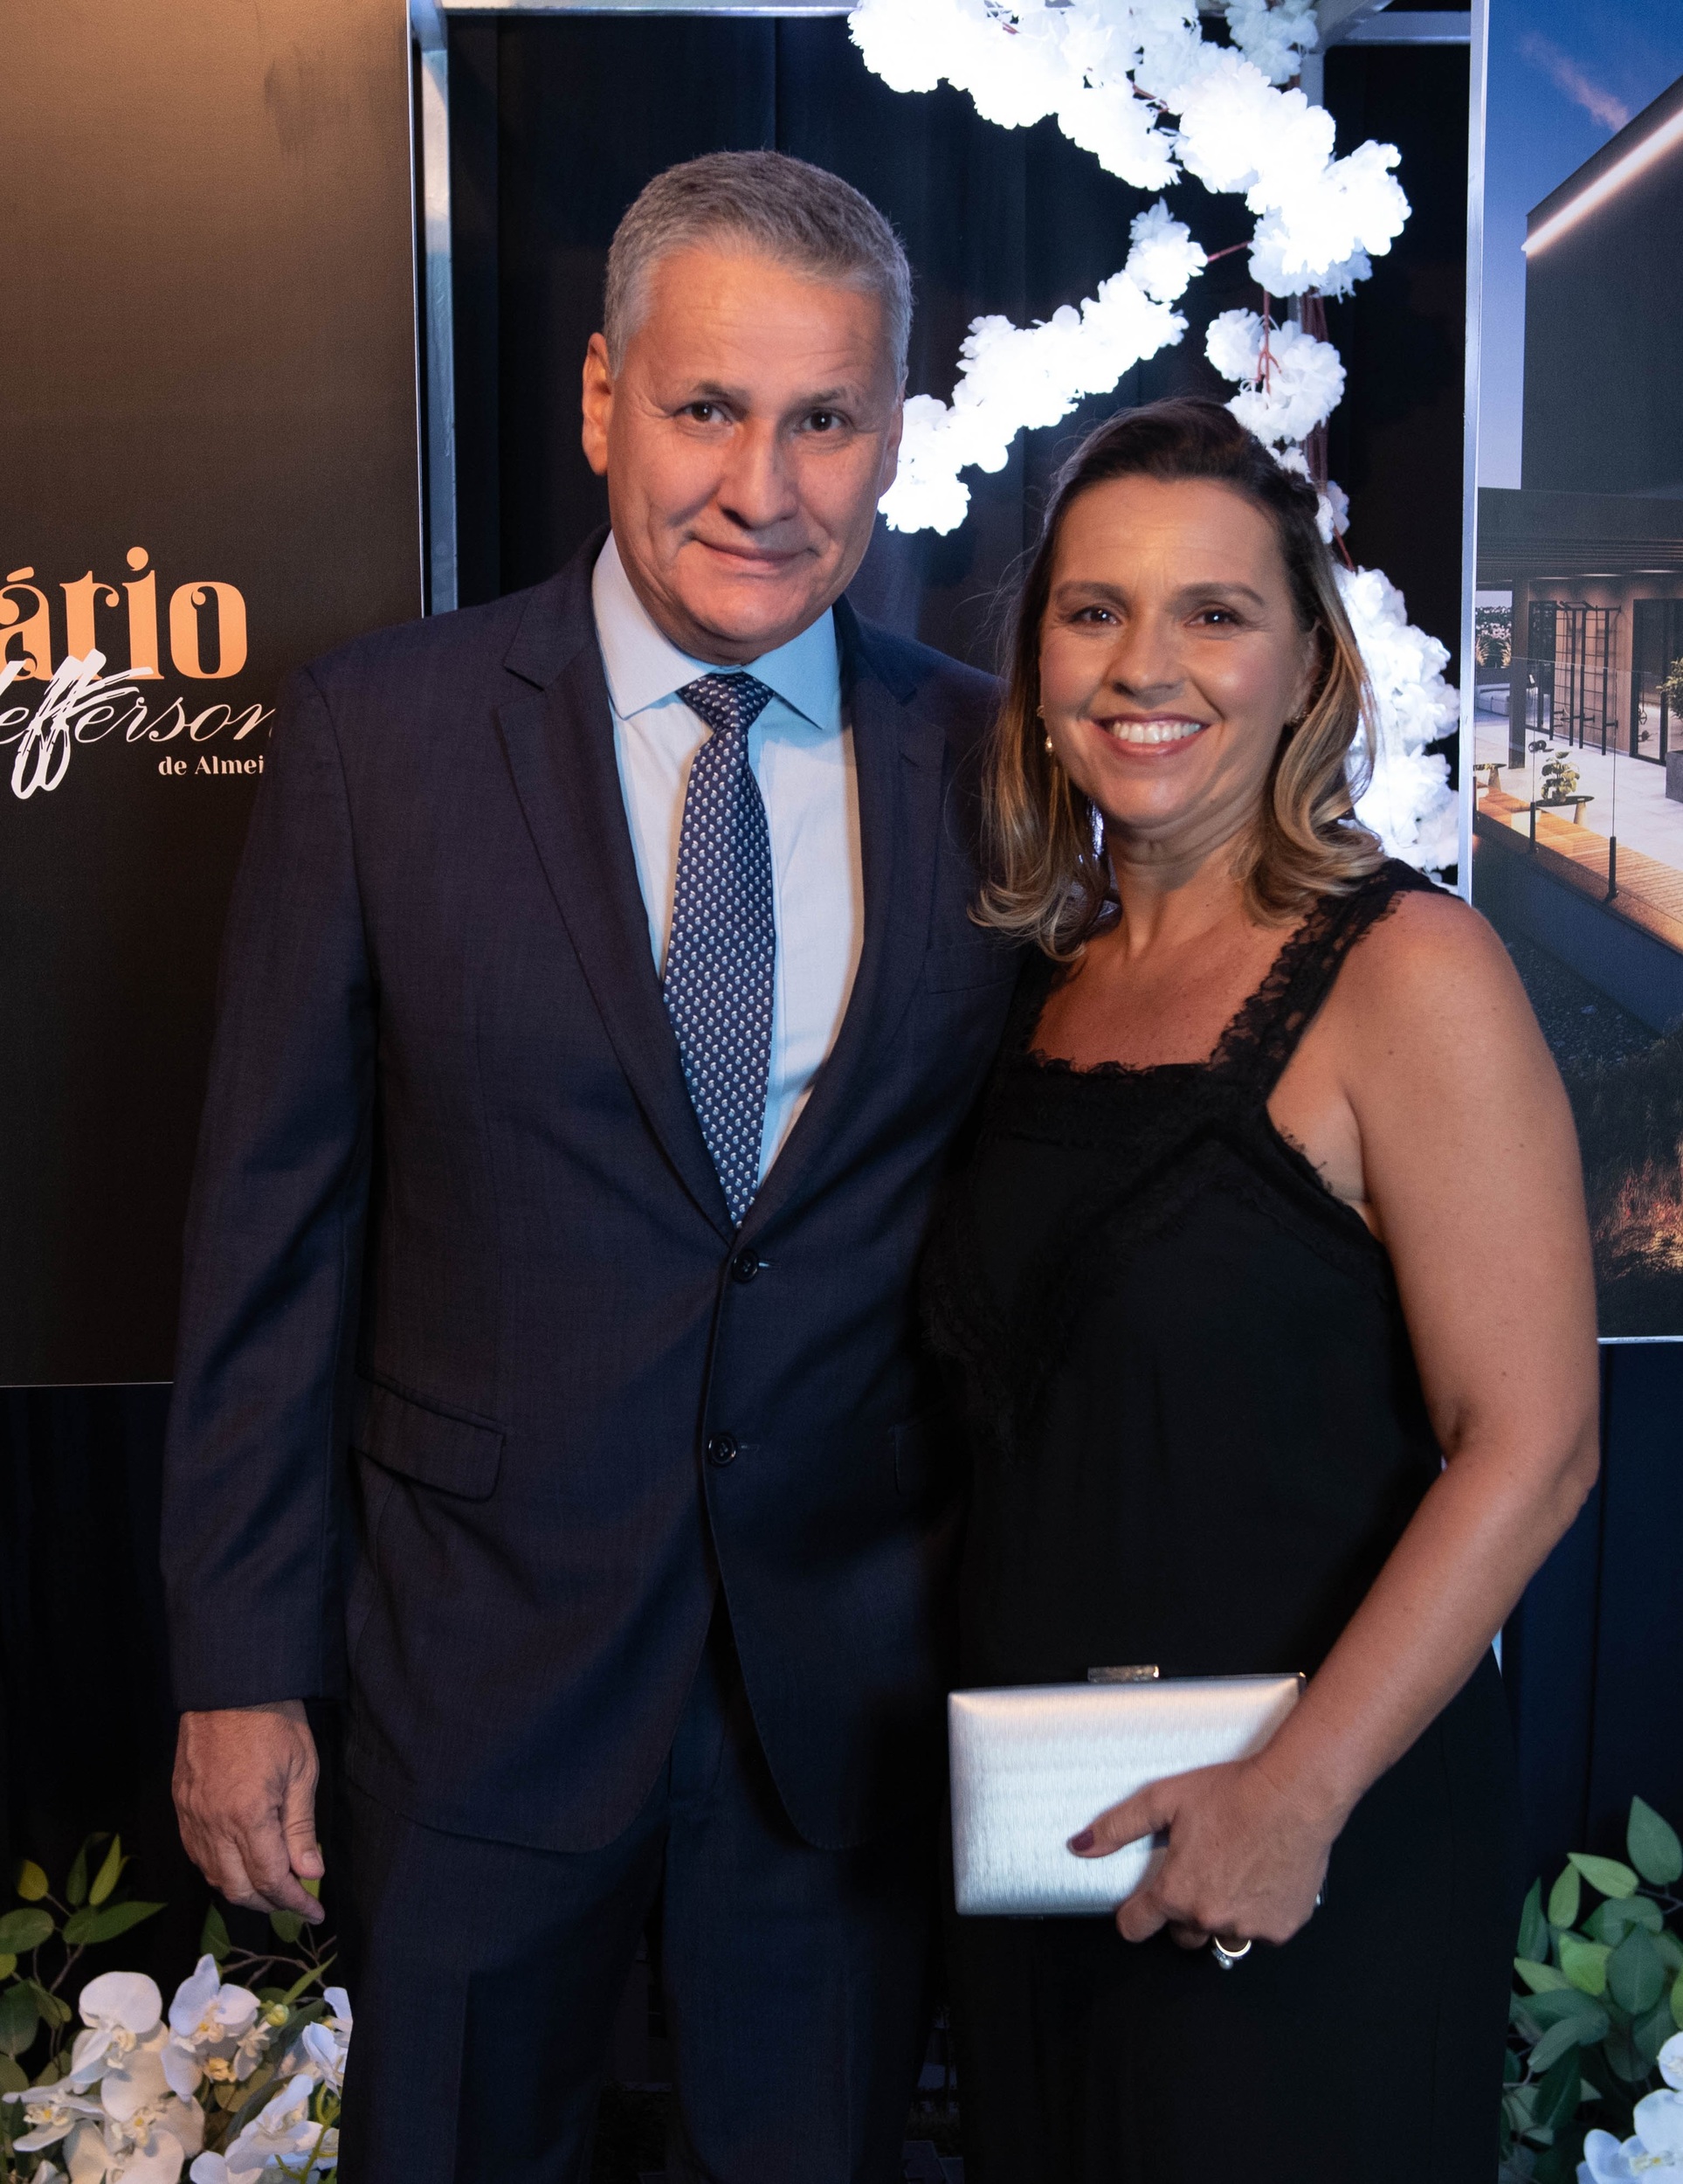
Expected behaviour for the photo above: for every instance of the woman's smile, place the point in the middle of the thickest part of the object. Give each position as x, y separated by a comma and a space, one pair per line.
1152, 731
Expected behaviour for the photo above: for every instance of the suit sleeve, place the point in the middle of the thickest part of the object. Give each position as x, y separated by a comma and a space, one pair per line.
273, 1248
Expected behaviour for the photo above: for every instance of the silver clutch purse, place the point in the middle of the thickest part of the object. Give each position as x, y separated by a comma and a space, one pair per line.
1032, 1766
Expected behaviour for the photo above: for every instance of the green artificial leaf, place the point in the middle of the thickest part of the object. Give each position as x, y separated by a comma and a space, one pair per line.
8, 1966
1584, 1963
316, 1972
310, 1886
1533, 1929
1612, 1920
1529, 2028
1677, 2002
18, 2018
1540, 1978
287, 1925
53, 2007
32, 1882
88, 1925
22, 1930
1554, 2044
1653, 1843
1611, 1876
1569, 2004
108, 1875
1563, 1898
76, 1886
1636, 1978
1652, 2031
14, 2078
1622, 2053
1670, 1948
1557, 2093
213, 1938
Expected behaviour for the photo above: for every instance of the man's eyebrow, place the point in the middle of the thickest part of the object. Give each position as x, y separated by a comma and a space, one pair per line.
713, 390
833, 397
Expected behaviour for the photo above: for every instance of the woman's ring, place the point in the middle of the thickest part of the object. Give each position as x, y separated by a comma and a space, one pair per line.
1225, 1957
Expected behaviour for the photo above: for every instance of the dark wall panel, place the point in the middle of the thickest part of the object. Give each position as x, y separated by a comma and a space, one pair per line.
1394, 441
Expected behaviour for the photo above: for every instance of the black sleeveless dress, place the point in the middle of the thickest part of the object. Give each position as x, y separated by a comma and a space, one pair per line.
1198, 1432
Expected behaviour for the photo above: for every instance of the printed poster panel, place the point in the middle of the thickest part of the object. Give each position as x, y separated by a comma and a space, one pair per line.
211, 476
1578, 604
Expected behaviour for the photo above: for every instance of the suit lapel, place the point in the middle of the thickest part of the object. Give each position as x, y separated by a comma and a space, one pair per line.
898, 759
560, 743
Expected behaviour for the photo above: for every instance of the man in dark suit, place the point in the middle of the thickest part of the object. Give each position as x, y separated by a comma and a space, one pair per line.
599, 1006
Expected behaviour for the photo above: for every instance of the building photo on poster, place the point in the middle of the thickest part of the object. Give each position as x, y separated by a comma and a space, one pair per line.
1578, 600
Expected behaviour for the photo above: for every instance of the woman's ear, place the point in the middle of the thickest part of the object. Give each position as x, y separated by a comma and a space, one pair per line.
1313, 674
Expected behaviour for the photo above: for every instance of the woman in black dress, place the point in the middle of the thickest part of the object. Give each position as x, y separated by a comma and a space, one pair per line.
1267, 1286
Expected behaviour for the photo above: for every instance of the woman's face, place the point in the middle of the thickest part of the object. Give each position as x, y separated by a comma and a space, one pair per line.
1170, 658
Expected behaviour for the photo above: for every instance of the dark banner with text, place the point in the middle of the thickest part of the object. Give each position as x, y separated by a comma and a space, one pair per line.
211, 477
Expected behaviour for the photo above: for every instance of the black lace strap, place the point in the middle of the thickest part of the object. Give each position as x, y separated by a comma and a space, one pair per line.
1263, 1036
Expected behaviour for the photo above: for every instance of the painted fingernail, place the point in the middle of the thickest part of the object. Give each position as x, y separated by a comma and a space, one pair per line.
1083, 1841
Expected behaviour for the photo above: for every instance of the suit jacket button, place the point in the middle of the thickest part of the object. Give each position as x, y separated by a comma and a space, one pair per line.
721, 1449
745, 1266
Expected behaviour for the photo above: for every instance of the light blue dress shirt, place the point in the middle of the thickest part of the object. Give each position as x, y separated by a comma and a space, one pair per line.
801, 750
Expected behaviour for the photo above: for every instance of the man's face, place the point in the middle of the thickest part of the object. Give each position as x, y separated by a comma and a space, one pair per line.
746, 437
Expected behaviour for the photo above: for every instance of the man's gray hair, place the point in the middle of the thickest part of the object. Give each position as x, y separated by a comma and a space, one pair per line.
803, 217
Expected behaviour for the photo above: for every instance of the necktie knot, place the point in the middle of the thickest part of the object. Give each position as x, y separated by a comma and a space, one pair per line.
728, 703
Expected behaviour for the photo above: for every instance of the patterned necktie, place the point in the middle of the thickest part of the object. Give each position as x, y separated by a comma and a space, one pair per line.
723, 952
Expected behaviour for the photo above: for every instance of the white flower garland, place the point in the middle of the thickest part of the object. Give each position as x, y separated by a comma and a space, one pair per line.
1113, 72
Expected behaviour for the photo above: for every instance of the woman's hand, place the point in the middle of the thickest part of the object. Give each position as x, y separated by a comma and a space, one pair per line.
1246, 1860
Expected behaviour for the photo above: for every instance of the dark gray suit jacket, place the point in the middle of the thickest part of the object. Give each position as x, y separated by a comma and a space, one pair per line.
453, 1214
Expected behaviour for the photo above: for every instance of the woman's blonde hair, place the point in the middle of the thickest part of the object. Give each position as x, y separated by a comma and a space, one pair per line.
1048, 877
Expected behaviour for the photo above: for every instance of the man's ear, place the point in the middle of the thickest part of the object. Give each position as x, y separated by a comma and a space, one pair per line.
598, 404
891, 445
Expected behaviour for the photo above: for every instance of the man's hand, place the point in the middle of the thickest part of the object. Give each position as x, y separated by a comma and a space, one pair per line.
246, 1797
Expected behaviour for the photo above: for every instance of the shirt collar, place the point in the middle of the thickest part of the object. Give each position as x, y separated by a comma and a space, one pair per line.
643, 666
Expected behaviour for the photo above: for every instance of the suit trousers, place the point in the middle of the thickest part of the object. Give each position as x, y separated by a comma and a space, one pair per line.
797, 1980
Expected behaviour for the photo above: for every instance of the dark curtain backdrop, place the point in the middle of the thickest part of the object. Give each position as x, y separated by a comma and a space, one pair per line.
557, 125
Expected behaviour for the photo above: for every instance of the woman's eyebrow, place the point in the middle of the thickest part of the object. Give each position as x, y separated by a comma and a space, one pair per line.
1221, 588
1213, 588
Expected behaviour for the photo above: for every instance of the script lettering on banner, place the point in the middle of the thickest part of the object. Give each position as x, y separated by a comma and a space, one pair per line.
61, 690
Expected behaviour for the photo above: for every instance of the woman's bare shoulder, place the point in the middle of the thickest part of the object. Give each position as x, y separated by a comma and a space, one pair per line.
1431, 940
1431, 979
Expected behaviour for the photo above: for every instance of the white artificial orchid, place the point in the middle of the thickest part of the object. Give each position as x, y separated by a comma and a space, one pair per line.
323, 2046
150, 2131
87, 2155
285, 2132
120, 2010
135, 2079
215, 2031
52, 2112
1657, 2148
